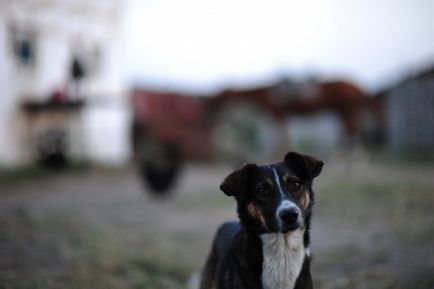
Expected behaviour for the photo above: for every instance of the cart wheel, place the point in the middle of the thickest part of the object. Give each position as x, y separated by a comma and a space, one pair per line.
161, 170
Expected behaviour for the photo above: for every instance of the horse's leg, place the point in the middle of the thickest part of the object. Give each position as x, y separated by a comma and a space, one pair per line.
350, 122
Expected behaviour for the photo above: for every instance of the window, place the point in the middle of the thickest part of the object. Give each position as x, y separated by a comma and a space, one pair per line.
23, 47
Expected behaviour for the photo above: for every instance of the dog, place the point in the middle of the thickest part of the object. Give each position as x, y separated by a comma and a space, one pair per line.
269, 248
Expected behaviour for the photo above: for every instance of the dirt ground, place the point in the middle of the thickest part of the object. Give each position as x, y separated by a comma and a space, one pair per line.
373, 228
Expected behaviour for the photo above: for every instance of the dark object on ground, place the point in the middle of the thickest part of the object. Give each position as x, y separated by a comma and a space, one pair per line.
52, 150
167, 129
161, 172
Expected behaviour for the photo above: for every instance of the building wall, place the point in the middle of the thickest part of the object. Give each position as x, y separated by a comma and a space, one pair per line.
410, 115
10, 125
62, 29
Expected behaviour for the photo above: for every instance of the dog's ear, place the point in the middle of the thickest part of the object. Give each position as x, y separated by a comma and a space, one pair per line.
308, 166
235, 183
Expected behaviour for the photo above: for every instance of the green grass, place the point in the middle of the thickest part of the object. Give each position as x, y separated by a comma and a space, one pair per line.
26, 174
65, 254
51, 250
395, 255
406, 207
214, 200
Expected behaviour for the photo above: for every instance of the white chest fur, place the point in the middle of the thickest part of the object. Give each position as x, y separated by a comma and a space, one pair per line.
283, 256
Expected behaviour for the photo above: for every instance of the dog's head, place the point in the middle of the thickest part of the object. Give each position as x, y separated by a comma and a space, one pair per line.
276, 197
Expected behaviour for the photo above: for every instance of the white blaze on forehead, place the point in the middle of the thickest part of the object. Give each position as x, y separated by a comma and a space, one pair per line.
284, 202
279, 187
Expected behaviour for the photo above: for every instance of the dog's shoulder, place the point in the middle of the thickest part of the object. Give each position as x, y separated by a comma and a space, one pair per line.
215, 271
226, 234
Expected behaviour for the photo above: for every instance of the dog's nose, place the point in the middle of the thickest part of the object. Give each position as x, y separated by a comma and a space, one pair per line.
289, 215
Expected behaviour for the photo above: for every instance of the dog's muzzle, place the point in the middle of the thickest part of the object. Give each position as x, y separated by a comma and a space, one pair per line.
289, 219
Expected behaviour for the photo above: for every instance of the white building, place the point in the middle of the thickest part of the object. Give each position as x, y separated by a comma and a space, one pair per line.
39, 41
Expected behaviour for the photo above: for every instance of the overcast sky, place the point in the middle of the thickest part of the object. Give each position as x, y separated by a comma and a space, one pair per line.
204, 45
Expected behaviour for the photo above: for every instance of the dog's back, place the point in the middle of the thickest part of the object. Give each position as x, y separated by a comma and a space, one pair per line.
220, 248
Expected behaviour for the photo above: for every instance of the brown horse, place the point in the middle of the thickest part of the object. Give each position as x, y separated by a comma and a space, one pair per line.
285, 98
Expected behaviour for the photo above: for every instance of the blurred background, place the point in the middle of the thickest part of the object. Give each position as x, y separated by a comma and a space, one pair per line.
119, 119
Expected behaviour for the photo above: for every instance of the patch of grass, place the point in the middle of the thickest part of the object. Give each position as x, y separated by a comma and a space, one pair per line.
416, 158
405, 208
206, 201
422, 279
31, 173
60, 253
348, 194
355, 268
35, 172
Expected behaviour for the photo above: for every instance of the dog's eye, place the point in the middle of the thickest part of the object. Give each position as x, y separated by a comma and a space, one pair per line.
295, 185
262, 191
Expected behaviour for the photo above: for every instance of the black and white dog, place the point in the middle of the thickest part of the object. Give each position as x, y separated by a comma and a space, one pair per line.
269, 247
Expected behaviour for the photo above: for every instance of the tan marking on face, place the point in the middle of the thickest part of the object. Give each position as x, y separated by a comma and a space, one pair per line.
287, 178
256, 213
305, 200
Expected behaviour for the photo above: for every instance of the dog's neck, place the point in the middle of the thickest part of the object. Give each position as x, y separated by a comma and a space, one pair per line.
283, 258
248, 254
274, 259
